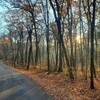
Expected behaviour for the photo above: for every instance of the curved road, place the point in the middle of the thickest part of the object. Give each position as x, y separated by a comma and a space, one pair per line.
15, 86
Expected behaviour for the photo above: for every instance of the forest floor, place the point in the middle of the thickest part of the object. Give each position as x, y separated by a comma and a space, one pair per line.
62, 89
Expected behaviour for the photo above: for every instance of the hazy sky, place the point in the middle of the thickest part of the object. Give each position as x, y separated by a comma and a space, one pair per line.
3, 9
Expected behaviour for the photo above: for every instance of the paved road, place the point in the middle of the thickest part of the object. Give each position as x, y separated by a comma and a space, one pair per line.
14, 86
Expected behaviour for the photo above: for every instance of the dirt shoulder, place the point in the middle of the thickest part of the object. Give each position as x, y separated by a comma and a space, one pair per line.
56, 85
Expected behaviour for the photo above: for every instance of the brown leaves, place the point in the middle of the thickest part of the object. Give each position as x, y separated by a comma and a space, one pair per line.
55, 85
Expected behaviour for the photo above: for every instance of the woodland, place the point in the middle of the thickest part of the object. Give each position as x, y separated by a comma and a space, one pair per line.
58, 38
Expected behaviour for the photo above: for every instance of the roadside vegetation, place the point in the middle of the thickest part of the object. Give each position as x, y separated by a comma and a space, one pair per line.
57, 44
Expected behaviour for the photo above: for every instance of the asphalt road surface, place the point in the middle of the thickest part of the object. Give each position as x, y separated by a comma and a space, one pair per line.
15, 86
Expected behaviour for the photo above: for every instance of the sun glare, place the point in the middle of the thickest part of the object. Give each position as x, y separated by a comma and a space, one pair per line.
78, 39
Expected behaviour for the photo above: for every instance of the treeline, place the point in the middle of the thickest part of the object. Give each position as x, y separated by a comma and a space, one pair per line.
59, 35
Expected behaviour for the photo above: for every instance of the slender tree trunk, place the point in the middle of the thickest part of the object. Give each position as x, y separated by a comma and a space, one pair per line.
92, 47
47, 35
30, 48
